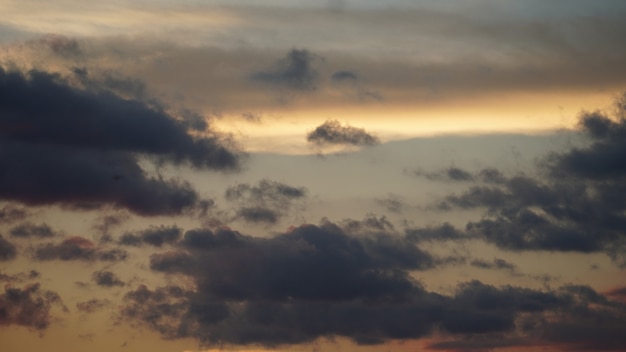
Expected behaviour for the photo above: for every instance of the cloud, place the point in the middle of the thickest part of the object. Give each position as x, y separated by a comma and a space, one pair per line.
604, 157
173, 262
341, 76
31, 230
392, 203
295, 71
29, 306
497, 264
265, 192
165, 310
114, 82
455, 174
450, 174
258, 215
476, 314
105, 222
60, 45
332, 132
266, 202
9, 214
107, 279
92, 305
20, 277
309, 262
77, 248
96, 120
8, 250
156, 236
444, 232
81, 148
573, 204
349, 83
491, 175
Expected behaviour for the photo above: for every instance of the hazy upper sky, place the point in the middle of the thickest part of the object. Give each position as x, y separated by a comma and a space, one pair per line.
331, 176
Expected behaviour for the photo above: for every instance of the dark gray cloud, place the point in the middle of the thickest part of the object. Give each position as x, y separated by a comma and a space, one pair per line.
496, 263
84, 179
575, 203
529, 214
310, 262
106, 222
265, 202
173, 262
156, 236
341, 76
10, 213
295, 71
81, 147
369, 225
92, 305
99, 120
265, 192
332, 132
475, 315
8, 250
488, 175
450, 174
77, 248
29, 306
31, 230
20, 277
491, 175
605, 157
444, 232
165, 310
258, 214
106, 279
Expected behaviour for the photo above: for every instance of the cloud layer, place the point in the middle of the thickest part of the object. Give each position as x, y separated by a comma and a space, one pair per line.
81, 148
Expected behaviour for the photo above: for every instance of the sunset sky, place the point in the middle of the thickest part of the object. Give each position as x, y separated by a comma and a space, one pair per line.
247, 175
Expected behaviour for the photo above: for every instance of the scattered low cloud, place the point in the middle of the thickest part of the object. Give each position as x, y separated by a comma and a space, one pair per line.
8, 250
29, 306
107, 279
392, 203
332, 132
77, 248
265, 202
496, 264
20, 277
450, 174
571, 206
29, 230
106, 222
155, 236
92, 305
295, 71
10, 214
258, 214
341, 76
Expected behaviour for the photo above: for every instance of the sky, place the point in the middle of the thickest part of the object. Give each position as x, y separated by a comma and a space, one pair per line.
186, 176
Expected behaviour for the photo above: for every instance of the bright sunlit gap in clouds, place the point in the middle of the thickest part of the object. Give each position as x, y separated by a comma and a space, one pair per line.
284, 131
